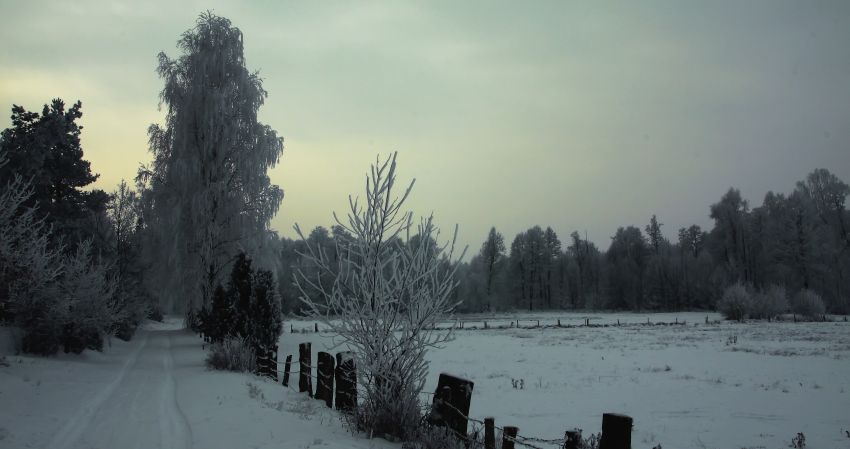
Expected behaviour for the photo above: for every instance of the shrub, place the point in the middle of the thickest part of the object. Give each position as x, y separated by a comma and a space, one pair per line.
389, 410
434, 437
769, 303
808, 304
232, 354
736, 303
392, 282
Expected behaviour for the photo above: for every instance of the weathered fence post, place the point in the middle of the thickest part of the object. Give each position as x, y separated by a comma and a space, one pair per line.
451, 403
489, 433
346, 381
616, 431
508, 436
260, 361
273, 363
305, 382
325, 375
286, 370
316, 327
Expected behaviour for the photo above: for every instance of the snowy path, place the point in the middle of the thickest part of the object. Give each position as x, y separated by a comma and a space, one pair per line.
156, 392
138, 409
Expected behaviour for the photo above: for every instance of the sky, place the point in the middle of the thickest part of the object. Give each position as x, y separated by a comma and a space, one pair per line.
581, 116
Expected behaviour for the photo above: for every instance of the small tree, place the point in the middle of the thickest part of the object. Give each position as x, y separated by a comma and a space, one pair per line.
735, 304
265, 320
389, 291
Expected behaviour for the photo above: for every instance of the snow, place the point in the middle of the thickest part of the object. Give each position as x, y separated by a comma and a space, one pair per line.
724, 385
154, 392
685, 386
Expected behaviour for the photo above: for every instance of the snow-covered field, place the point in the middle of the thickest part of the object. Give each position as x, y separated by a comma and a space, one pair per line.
723, 385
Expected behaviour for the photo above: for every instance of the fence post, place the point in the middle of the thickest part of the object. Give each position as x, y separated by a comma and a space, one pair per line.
451, 403
261, 360
616, 431
508, 437
325, 375
273, 371
489, 433
559, 323
316, 327
286, 370
346, 381
305, 383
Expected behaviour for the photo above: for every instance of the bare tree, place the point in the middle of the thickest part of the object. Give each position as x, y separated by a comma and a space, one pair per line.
390, 288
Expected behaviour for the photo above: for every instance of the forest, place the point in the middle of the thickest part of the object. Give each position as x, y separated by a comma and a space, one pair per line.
795, 241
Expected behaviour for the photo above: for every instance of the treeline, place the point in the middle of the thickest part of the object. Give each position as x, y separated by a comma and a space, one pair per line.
796, 241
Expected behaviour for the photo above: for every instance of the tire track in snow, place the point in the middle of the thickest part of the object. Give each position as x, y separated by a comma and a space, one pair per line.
73, 429
173, 425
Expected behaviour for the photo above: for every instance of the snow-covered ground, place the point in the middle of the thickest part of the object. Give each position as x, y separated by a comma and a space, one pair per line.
154, 392
723, 385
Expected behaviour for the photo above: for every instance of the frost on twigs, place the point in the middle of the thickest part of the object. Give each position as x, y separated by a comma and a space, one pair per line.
390, 283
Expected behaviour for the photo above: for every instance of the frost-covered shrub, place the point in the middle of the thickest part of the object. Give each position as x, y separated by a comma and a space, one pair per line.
86, 304
735, 304
232, 354
391, 412
808, 304
769, 303
392, 282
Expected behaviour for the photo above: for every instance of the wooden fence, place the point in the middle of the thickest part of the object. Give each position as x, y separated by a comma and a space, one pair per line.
336, 385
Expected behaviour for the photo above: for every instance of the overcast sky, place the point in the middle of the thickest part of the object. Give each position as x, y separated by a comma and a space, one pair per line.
581, 116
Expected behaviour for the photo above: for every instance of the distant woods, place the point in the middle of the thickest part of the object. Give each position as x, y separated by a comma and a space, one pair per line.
796, 241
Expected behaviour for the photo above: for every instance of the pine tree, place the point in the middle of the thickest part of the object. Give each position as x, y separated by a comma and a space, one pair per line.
44, 150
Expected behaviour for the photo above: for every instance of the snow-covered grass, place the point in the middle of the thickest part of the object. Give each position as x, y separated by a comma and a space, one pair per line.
725, 385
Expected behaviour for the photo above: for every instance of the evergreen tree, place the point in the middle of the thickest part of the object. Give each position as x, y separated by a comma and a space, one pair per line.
44, 149
492, 252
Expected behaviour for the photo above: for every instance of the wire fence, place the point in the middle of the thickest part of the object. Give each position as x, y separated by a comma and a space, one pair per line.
472, 439
546, 323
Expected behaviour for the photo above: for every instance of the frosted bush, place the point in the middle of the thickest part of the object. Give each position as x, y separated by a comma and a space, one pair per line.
769, 303
735, 304
232, 354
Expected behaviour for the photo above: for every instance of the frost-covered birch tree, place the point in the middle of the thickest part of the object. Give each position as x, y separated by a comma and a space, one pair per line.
209, 194
392, 283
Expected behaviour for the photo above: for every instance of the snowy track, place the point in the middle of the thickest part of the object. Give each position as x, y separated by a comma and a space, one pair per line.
138, 409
